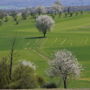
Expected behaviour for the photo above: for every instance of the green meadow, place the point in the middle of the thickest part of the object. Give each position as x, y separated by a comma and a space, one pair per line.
71, 33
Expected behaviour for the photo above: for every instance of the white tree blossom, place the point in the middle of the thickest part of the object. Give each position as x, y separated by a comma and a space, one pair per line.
64, 65
44, 23
27, 63
40, 10
57, 7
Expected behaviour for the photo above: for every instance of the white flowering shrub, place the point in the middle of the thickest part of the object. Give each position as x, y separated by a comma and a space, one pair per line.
44, 23
24, 76
64, 65
57, 7
29, 64
40, 10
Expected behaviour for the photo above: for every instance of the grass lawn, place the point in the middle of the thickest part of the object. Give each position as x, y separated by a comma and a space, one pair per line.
72, 33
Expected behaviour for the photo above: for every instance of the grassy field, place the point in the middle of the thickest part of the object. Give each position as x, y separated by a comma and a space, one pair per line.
72, 33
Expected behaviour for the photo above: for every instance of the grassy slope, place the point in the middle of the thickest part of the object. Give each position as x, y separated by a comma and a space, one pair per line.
69, 33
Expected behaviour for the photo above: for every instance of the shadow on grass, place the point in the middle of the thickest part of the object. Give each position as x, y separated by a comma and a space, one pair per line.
36, 37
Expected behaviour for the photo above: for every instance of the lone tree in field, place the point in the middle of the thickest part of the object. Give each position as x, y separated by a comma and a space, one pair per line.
44, 24
64, 66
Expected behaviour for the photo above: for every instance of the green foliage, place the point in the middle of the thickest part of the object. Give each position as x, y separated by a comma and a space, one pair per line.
6, 19
14, 15
4, 73
0, 22
23, 78
40, 81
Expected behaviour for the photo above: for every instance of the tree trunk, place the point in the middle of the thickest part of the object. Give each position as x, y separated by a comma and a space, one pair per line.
11, 61
11, 58
44, 34
65, 82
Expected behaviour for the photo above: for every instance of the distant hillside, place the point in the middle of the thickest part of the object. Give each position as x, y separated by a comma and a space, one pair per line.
33, 3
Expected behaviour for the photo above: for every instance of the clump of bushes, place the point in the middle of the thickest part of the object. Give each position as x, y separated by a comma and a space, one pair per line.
40, 81
23, 76
4, 73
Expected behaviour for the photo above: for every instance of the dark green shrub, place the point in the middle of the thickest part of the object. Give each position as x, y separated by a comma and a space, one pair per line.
6, 19
40, 81
23, 78
4, 73
49, 85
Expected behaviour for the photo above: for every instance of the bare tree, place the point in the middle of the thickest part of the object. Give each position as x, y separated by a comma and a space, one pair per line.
44, 23
64, 66
11, 57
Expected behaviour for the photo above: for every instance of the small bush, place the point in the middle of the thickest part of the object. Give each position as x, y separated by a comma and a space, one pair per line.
23, 78
40, 81
49, 85
4, 73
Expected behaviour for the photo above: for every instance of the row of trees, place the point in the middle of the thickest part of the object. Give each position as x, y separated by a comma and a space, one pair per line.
56, 9
44, 23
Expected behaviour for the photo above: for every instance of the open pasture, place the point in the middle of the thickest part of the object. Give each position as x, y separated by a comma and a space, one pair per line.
72, 33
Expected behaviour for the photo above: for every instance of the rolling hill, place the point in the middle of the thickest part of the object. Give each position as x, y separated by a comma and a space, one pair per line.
71, 33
